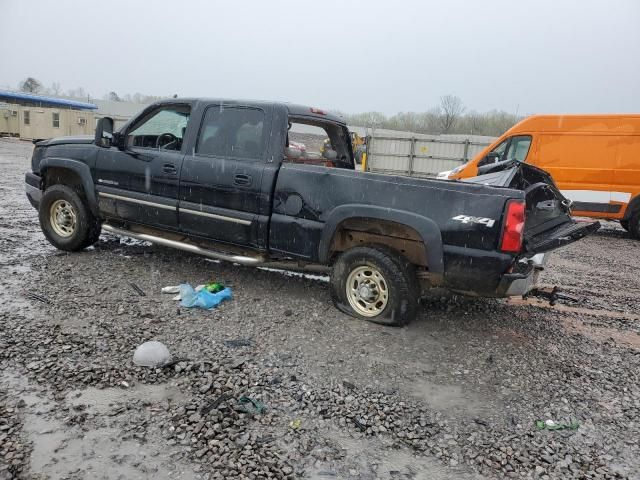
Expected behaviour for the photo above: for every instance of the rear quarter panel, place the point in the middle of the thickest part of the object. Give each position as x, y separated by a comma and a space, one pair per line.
306, 196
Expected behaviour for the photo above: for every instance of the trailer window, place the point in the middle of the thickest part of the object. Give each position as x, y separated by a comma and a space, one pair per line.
55, 117
27, 117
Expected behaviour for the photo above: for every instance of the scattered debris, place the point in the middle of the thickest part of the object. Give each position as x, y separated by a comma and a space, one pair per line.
152, 354
203, 298
215, 403
295, 424
38, 297
238, 342
551, 425
137, 289
250, 405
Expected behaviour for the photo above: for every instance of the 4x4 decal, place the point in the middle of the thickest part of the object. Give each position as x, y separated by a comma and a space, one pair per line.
487, 222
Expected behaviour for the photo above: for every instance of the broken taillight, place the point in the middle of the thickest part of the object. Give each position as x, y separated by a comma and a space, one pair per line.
513, 230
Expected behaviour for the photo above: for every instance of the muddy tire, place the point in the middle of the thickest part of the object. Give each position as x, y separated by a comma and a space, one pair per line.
634, 225
66, 220
375, 283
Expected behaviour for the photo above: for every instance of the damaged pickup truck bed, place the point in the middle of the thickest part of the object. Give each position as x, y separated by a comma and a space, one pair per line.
221, 178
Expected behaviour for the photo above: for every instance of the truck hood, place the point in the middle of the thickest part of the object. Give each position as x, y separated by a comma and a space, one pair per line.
80, 139
548, 222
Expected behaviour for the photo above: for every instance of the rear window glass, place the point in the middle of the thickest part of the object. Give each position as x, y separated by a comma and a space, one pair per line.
232, 132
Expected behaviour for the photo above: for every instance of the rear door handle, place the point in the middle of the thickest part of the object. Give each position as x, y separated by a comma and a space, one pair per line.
169, 168
242, 179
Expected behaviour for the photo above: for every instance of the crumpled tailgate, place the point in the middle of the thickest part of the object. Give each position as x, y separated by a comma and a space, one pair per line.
548, 221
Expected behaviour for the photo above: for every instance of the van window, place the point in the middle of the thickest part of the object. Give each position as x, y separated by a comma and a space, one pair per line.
518, 148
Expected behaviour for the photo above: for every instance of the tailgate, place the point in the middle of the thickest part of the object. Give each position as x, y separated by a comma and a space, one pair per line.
548, 221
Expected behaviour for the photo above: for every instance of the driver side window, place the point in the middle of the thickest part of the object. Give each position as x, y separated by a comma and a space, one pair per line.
163, 128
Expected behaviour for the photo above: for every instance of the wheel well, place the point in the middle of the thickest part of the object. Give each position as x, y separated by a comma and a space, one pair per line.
399, 237
632, 207
62, 176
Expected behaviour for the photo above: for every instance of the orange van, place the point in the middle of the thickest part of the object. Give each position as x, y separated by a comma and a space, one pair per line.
594, 159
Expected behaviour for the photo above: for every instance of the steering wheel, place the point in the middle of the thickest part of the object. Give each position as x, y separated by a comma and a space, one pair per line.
172, 139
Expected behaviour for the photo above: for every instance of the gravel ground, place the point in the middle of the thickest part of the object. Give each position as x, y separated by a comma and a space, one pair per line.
456, 394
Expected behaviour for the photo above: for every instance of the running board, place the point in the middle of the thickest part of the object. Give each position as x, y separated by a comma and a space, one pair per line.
187, 247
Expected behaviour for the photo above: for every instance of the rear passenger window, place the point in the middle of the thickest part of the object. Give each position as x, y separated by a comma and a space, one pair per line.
232, 132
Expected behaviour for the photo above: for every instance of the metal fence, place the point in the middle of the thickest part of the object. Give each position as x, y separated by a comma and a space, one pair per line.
421, 155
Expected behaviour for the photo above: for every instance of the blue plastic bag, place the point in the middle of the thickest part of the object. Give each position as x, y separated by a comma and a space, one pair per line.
203, 298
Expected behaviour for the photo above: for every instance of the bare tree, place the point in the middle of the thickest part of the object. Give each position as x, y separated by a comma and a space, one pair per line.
56, 89
451, 109
77, 93
31, 85
113, 96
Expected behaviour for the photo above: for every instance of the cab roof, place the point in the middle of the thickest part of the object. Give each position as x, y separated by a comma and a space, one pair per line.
293, 109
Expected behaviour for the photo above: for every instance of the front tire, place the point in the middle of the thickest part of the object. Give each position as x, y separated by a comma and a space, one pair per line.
375, 283
65, 219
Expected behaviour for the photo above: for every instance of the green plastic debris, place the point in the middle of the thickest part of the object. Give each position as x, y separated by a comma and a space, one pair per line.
214, 287
250, 405
296, 424
551, 425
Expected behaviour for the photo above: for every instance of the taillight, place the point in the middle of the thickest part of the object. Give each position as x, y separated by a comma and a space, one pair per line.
513, 231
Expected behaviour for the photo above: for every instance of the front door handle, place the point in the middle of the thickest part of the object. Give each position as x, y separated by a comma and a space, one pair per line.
242, 179
170, 168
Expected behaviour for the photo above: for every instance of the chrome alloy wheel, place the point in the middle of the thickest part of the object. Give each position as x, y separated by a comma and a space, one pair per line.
367, 291
62, 217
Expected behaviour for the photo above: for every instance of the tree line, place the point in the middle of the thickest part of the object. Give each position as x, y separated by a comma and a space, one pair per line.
449, 117
33, 85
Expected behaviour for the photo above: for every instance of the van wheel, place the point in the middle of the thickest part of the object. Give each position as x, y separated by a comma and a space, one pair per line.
65, 219
376, 284
625, 224
634, 225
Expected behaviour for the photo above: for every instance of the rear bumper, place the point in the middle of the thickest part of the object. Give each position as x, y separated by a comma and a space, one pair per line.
490, 274
32, 187
517, 284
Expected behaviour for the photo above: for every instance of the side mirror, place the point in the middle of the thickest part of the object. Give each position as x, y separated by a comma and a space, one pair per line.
493, 157
104, 132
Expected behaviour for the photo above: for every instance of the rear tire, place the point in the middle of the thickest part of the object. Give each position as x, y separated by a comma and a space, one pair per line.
625, 224
376, 284
634, 225
65, 219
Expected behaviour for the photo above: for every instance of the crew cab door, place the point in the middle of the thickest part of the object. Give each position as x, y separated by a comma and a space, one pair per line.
221, 179
548, 221
138, 182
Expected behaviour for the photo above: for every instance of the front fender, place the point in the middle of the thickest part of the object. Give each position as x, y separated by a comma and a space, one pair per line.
79, 168
427, 228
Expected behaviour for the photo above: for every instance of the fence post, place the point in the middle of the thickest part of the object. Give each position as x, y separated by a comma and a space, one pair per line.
412, 154
466, 150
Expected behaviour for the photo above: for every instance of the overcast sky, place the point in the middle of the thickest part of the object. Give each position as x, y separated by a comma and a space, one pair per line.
535, 56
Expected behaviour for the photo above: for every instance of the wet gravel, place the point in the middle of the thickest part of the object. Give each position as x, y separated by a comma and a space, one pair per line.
456, 394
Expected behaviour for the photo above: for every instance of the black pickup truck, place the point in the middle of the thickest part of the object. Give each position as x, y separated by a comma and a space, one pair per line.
239, 181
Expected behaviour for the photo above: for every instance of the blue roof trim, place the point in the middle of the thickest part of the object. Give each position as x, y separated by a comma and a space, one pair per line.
42, 99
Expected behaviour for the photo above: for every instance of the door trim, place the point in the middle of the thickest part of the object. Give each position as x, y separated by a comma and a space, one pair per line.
216, 216
135, 200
